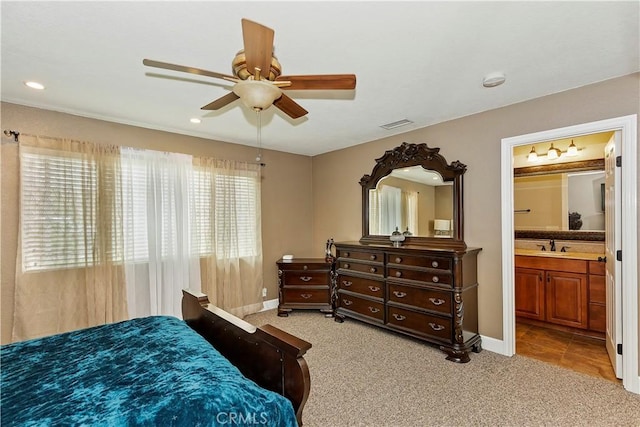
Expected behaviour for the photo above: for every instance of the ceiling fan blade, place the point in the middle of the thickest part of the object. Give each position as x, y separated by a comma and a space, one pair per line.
174, 67
290, 107
258, 46
221, 102
319, 82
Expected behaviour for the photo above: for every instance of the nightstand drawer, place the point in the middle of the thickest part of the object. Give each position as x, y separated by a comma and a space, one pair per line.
301, 295
420, 323
298, 278
428, 299
373, 288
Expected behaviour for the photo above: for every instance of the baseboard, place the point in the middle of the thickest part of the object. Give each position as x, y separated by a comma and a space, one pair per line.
271, 304
494, 345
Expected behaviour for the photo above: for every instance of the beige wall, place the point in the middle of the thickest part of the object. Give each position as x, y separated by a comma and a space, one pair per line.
287, 205
298, 220
475, 141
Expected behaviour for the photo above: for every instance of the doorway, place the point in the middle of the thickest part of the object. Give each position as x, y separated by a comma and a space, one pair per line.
627, 126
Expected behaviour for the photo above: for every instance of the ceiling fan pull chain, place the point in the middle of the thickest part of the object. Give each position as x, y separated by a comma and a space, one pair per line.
259, 136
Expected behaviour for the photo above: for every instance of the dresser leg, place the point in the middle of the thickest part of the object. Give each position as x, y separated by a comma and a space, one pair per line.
338, 318
283, 312
458, 356
477, 348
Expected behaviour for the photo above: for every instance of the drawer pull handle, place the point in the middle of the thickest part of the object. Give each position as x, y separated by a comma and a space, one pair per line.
305, 267
346, 254
398, 273
435, 326
306, 296
435, 279
346, 283
373, 309
437, 301
398, 260
374, 288
399, 317
434, 264
400, 294
373, 269
305, 278
347, 302
347, 265
372, 257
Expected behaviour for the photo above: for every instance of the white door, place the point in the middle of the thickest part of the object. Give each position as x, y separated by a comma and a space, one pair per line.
612, 245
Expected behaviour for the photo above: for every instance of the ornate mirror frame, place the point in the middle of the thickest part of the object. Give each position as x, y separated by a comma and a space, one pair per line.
404, 156
579, 166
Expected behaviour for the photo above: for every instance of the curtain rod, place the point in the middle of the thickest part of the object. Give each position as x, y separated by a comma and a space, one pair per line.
12, 133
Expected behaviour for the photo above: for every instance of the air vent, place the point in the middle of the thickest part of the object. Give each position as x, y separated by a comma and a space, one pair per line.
397, 124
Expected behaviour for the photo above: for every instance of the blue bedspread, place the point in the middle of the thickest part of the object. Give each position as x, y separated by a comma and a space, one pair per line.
154, 371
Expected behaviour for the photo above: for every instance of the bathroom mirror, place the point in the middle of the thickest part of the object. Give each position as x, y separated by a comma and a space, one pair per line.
414, 189
560, 201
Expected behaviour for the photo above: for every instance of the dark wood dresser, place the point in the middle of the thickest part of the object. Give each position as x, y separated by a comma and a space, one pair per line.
427, 293
304, 283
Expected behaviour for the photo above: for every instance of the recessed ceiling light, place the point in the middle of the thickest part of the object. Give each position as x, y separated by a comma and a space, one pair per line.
34, 85
195, 120
493, 79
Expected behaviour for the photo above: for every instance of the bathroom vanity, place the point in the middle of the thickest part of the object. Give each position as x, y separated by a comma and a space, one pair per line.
426, 286
565, 289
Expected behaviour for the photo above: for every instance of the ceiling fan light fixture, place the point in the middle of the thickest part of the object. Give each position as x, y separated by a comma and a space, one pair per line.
257, 95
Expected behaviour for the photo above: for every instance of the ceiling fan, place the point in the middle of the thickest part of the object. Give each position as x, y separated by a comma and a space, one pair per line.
256, 74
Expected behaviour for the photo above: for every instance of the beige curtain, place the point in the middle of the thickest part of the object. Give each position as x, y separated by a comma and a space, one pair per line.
228, 233
76, 283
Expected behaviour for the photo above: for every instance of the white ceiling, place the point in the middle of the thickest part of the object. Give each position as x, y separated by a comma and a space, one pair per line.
421, 61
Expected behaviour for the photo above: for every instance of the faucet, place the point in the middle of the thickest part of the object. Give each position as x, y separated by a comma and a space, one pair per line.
552, 244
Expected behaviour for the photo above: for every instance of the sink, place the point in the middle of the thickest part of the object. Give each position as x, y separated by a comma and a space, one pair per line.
558, 254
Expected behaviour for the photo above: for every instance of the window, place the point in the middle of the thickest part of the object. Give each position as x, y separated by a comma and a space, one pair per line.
58, 210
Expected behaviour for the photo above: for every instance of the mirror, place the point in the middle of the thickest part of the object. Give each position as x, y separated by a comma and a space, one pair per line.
564, 201
412, 189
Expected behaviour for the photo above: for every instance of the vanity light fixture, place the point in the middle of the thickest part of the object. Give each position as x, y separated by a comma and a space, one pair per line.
532, 156
572, 150
553, 153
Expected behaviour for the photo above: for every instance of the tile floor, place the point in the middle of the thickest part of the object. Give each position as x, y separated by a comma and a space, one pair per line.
578, 352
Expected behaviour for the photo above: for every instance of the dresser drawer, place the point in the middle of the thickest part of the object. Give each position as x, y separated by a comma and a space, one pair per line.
420, 323
307, 296
428, 299
434, 277
361, 306
419, 261
376, 269
361, 255
301, 277
373, 288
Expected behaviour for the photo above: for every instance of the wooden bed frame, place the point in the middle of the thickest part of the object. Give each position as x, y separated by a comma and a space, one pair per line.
270, 357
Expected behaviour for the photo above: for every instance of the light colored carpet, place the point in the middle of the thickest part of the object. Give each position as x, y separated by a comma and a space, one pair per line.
365, 376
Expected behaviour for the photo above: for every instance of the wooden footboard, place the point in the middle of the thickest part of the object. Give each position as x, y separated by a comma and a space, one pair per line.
267, 355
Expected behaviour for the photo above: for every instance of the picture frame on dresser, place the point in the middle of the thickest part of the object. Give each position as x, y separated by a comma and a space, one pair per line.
426, 287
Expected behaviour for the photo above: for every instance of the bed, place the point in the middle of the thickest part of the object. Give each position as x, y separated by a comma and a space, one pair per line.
210, 369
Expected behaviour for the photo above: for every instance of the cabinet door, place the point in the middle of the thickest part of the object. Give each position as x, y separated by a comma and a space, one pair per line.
529, 290
566, 299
